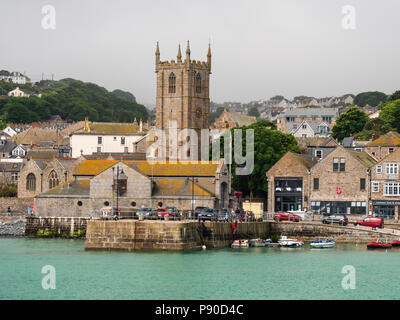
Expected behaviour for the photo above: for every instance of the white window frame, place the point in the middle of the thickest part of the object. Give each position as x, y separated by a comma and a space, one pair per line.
379, 169
392, 168
316, 153
375, 186
391, 189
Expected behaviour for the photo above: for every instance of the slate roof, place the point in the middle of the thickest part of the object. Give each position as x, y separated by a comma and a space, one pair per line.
35, 136
313, 141
242, 119
179, 188
363, 157
80, 188
309, 112
10, 167
390, 139
8, 146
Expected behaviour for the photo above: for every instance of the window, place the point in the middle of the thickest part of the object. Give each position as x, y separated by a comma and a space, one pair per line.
14, 177
362, 184
392, 189
80, 203
126, 150
304, 126
375, 186
342, 164
391, 150
31, 182
335, 164
53, 180
122, 140
98, 149
318, 154
316, 183
198, 83
172, 83
99, 140
391, 168
378, 169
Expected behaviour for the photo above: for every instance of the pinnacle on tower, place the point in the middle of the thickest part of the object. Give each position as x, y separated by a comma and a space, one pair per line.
188, 51
157, 54
179, 56
209, 57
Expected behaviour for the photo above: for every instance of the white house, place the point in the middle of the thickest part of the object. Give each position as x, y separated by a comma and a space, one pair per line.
10, 131
102, 137
15, 77
19, 151
17, 93
311, 129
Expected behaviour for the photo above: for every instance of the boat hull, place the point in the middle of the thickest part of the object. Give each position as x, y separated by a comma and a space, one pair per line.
375, 245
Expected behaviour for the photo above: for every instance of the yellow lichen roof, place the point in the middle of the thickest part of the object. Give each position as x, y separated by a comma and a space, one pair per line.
182, 168
180, 188
363, 157
390, 139
93, 167
72, 187
111, 128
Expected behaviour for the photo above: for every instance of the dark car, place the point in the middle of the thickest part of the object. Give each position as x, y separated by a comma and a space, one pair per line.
208, 214
340, 219
198, 210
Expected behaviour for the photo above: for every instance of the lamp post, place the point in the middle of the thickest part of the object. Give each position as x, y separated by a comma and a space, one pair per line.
193, 181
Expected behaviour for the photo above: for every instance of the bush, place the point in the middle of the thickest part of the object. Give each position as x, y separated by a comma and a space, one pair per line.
8, 191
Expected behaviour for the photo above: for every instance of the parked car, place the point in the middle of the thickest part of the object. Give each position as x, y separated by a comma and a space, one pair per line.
374, 222
224, 215
173, 212
208, 214
198, 210
286, 216
162, 212
340, 219
148, 213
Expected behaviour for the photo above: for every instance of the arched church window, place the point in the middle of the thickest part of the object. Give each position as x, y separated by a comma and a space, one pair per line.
53, 180
172, 83
31, 182
198, 83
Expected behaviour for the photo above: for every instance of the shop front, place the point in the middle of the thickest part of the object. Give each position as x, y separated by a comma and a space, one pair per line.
339, 207
386, 209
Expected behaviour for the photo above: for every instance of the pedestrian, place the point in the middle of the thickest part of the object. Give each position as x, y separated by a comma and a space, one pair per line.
29, 210
32, 212
9, 211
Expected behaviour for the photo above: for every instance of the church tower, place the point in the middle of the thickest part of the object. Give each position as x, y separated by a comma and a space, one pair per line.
182, 93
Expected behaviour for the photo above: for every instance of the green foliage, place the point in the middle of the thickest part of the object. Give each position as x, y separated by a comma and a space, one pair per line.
394, 96
72, 99
349, 123
269, 146
254, 112
390, 115
374, 127
372, 98
79, 234
8, 191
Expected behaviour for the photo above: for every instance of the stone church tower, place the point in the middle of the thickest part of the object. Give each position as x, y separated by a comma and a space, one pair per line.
182, 95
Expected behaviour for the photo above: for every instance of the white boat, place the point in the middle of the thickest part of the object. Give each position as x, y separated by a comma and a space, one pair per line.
240, 244
290, 242
257, 243
322, 244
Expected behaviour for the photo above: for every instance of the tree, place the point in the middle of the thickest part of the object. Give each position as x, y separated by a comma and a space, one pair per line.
390, 114
394, 96
349, 123
269, 146
254, 112
372, 98
374, 127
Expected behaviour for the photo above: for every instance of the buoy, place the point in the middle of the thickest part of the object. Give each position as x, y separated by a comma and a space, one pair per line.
203, 247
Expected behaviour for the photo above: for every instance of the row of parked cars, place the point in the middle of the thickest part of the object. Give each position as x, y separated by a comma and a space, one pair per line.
160, 213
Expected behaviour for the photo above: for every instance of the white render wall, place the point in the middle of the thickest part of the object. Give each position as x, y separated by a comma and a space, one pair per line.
88, 143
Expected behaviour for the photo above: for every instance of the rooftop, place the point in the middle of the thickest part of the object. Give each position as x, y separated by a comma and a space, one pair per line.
390, 139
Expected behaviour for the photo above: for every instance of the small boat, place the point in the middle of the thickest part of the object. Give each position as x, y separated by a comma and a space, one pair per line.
257, 243
269, 243
395, 244
379, 245
321, 244
240, 244
290, 242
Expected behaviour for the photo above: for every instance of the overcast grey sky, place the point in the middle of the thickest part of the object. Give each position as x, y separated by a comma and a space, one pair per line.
260, 48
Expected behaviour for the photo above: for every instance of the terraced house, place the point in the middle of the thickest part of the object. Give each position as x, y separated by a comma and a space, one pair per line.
94, 186
385, 186
384, 145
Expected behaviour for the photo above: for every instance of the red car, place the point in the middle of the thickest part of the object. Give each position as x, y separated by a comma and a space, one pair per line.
286, 216
162, 212
374, 222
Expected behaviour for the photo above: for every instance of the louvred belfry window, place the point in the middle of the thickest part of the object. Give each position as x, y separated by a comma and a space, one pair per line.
172, 83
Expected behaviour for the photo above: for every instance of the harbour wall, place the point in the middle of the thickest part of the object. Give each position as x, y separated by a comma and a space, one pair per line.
56, 227
135, 235
341, 234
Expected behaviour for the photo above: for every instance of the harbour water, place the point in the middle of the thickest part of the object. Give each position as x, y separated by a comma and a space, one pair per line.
254, 273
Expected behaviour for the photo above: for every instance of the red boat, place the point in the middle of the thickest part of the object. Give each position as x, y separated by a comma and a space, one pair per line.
396, 244
377, 245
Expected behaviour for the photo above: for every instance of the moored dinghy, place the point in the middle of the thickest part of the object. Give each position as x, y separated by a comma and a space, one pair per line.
240, 244
257, 243
322, 244
290, 242
379, 245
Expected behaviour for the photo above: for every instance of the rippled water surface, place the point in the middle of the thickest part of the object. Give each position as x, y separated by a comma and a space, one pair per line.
255, 273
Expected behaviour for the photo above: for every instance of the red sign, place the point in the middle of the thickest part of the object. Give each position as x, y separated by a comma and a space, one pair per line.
338, 190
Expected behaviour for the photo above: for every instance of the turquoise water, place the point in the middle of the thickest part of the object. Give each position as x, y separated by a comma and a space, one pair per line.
255, 273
